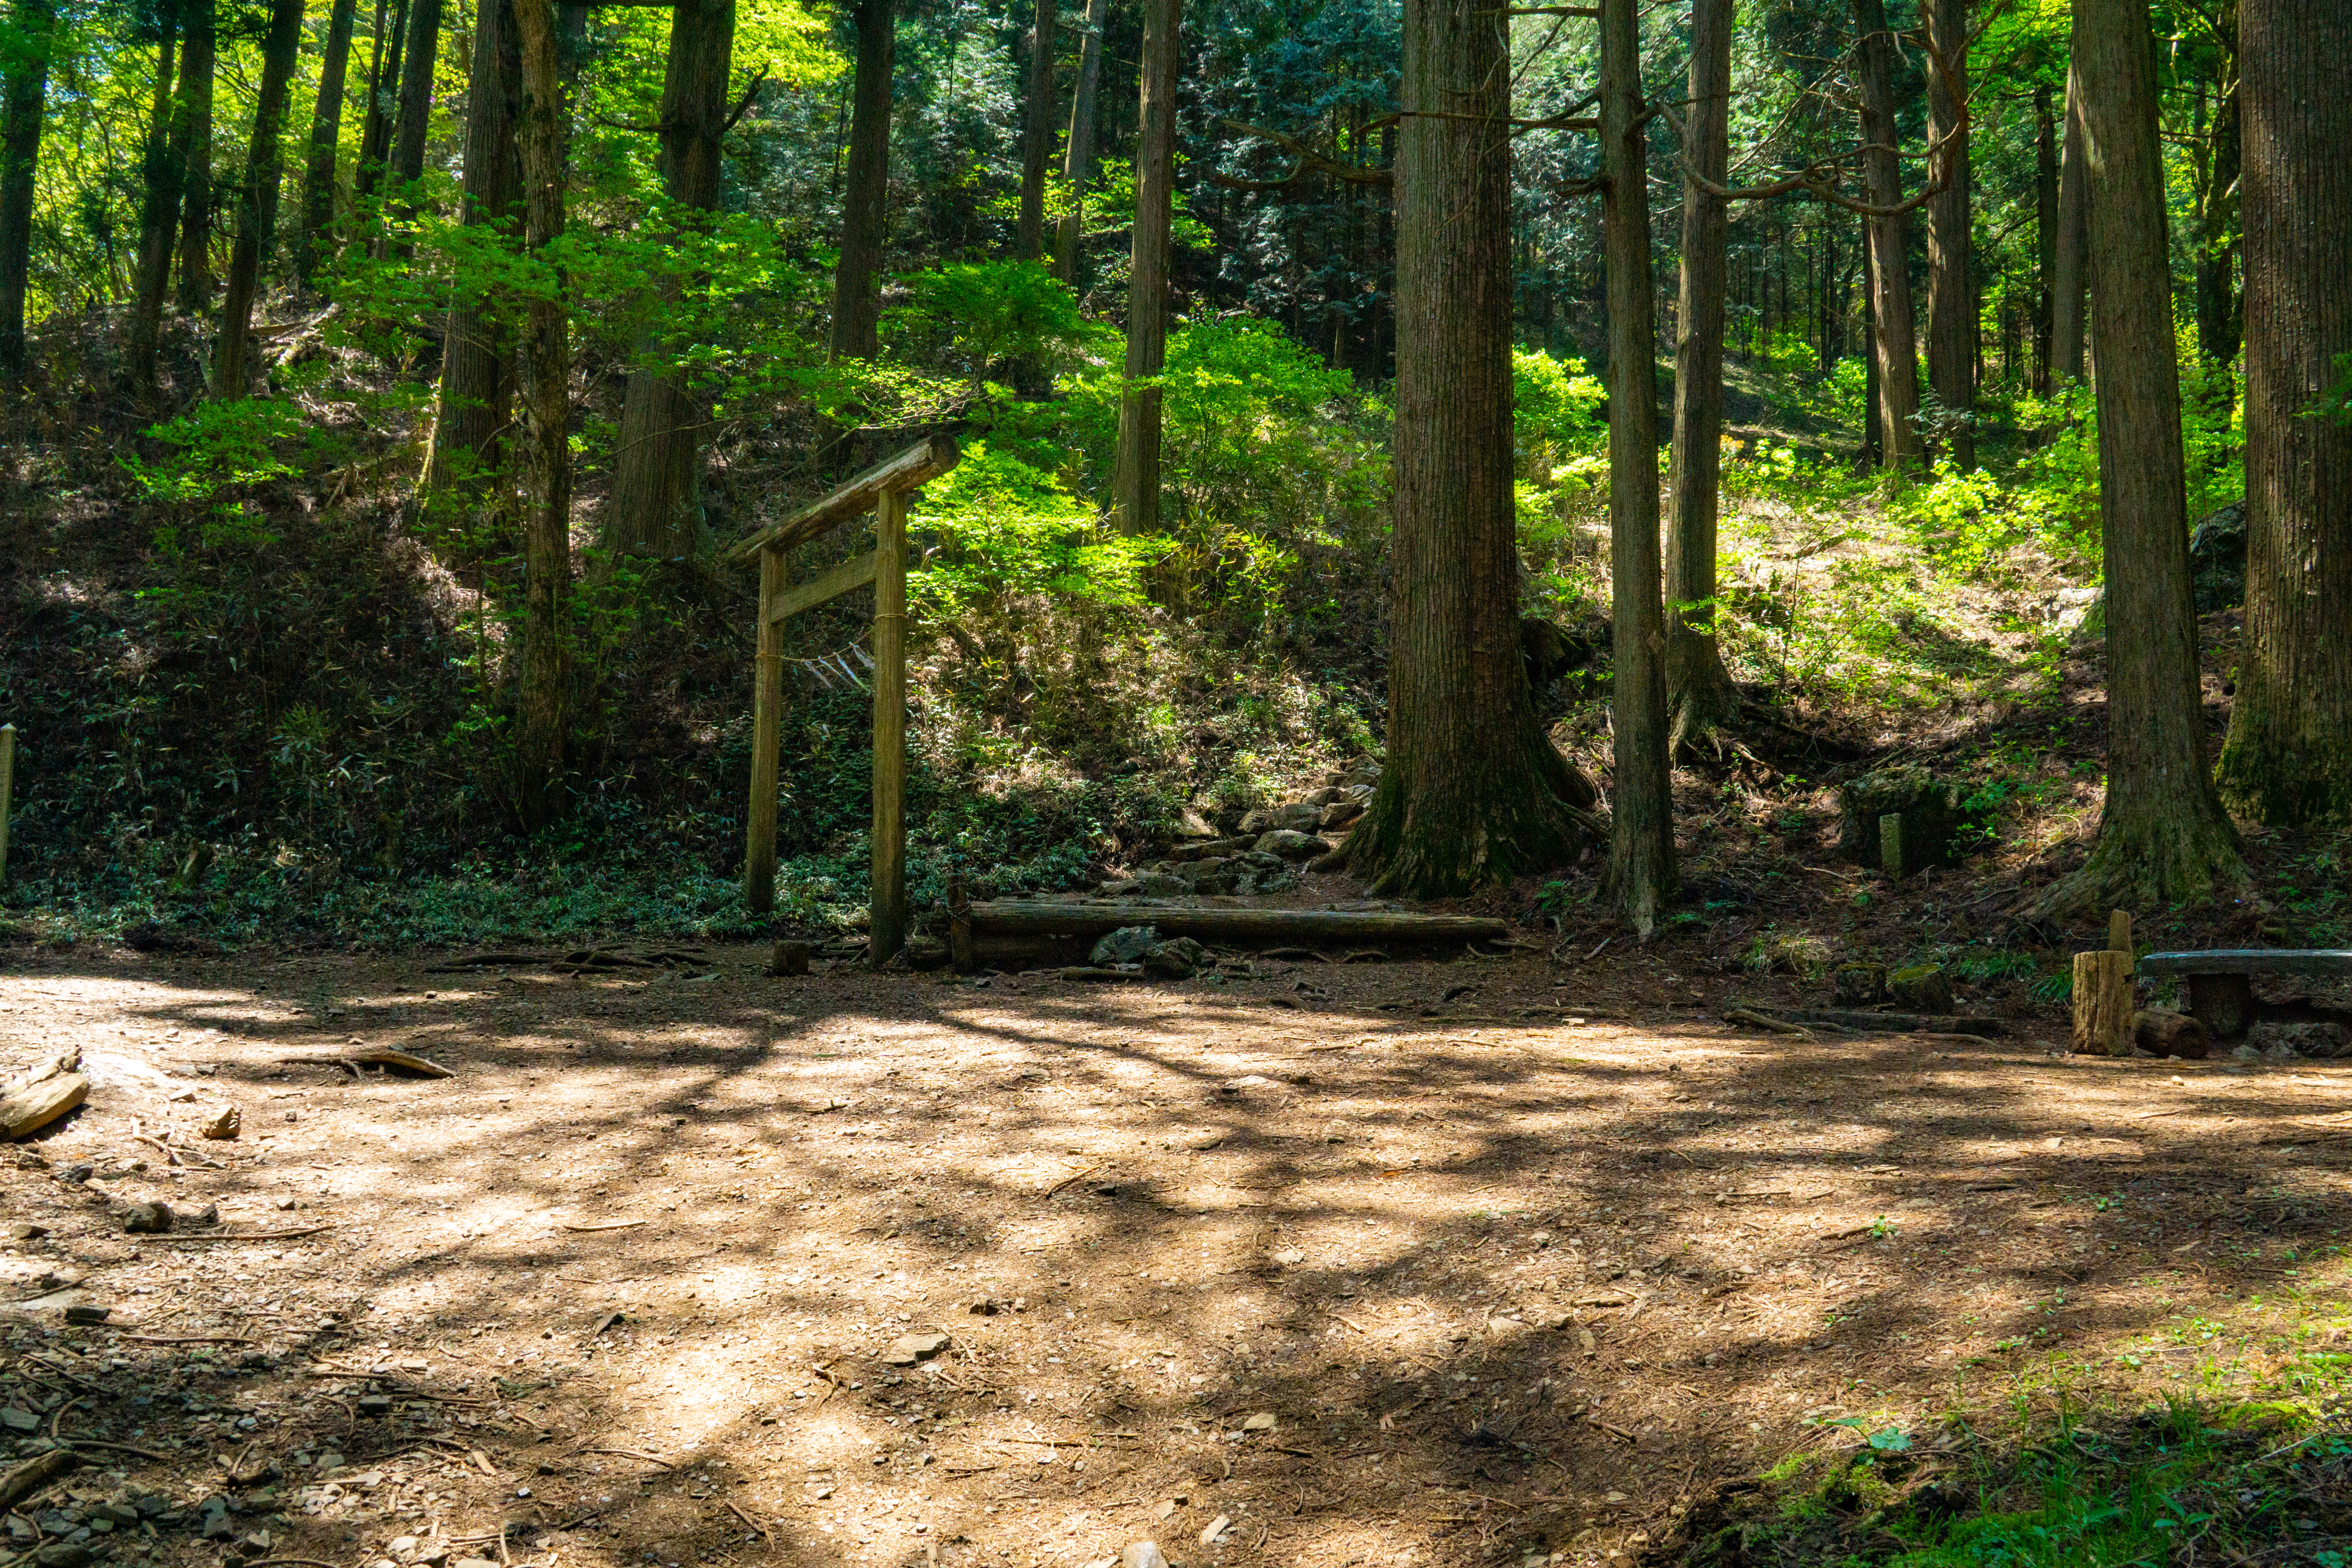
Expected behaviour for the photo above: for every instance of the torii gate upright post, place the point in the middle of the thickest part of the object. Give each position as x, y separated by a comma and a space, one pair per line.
882, 489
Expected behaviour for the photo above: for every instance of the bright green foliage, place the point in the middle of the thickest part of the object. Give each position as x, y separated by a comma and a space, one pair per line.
1004, 528
987, 314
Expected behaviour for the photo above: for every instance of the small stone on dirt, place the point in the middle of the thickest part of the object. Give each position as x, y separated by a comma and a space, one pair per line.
1179, 958
1291, 1258
227, 1125
1262, 1422
19, 1420
909, 1349
147, 1219
62, 1554
1143, 1554
24, 1231
374, 1404
86, 1314
1128, 944
1216, 1530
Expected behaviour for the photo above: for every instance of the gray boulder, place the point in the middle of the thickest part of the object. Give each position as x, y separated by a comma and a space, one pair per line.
1178, 958
1289, 844
1128, 944
2318, 1038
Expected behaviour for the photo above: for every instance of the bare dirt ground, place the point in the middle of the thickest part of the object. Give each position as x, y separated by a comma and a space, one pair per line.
1368, 1270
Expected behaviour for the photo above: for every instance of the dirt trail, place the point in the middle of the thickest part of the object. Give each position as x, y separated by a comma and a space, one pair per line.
1516, 1273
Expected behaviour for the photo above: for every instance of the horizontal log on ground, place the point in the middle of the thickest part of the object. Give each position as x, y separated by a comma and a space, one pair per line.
925, 460
1887, 1022
1210, 923
853, 573
2251, 961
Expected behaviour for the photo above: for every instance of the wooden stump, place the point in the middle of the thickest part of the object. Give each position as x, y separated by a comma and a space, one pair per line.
2103, 1003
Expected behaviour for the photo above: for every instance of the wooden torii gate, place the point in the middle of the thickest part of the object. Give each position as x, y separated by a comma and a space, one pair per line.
881, 489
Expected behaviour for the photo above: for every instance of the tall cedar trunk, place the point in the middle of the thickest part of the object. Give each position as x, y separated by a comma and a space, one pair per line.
1037, 132
2289, 757
654, 509
419, 55
1642, 836
326, 129
1698, 685
2163, 837
384, 100
2046, 228
856, 308
2070, 273
159, 204
1135, 483
257, 202
1473, 793
478, 351
196, 61
1896, 336
1951, 291
1078, 151
26, 94
2220, 325
1874, 422
545, 466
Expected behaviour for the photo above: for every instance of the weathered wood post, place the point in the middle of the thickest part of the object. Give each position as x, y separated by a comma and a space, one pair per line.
2120, 936
7, 791
886, 928
2103, 1003
767, 739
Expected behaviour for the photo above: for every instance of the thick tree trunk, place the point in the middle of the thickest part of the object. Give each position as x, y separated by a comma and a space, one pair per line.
257, 206
196, 61
477, 396
1037, 132
420, 55
1698, 686
159, 204
384, 100
1642, 836
2289, 757
326, 131
2164, 837
2046, 229
1952, 287
1078, 151
1473, 793
1135, 484
21, 105
545, 469
1896, 336
654, 509
856, 307
2221, 324
2069, 256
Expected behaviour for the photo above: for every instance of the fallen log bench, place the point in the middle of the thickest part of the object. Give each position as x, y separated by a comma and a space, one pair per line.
1037, 920
2221, 981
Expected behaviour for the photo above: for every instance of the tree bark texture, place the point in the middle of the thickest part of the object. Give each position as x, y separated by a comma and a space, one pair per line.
1873, 424
419, 55
476, 398
1473, 791
21, 102
1698, 686
2289, 757
1078, 151
1135, 483
326, 129
1952, 283
856, 305
1037, 132
2163, 837
1897, 335
2069, 256
257, 202
159, 205
1642, 823
546, 456
195, 138
654, 509
2046, 229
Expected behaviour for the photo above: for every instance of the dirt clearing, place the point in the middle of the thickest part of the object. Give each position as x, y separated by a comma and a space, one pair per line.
1303, 1263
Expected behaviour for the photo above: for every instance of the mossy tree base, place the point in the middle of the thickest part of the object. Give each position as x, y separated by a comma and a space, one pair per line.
2152, 862
1462, 830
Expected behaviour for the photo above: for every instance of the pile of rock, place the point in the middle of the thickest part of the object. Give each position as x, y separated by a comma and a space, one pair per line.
1143, 948
1263, 850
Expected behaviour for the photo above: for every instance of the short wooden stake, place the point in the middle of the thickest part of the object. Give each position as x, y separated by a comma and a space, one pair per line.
2103, 1003
767, 740
8, 790
2119, 937
886, 932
